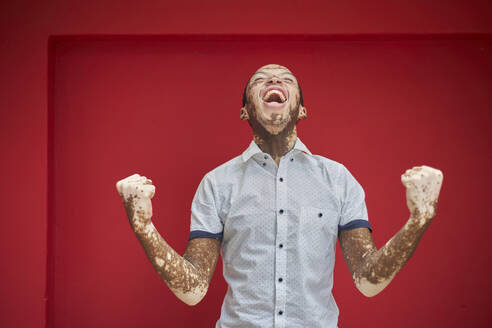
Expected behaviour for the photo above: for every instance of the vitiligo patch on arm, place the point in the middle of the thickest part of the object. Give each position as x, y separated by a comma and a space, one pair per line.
188, 277
372, 269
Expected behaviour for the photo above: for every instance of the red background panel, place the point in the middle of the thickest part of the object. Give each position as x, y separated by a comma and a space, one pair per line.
168, 108
26, 25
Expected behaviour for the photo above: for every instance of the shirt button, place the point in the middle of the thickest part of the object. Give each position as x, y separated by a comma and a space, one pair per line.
280, 312
280, 279
320, 214
281, 179
291, 159
281, 211
265, 157
281, 246
263, 164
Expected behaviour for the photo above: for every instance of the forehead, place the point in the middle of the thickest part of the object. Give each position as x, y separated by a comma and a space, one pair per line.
273, 69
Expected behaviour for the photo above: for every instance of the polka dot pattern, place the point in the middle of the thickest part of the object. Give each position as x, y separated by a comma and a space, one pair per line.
279, 227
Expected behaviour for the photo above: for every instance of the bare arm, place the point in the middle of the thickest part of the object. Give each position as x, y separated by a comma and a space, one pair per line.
188, 276
372, 269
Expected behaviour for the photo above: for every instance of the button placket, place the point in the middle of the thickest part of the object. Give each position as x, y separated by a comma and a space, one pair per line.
281, 238
267, 163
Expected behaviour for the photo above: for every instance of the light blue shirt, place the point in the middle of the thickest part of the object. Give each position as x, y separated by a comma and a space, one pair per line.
279, 227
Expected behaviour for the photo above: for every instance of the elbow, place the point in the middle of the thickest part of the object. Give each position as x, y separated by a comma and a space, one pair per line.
368, 292
192, 297
192, 301
370, 288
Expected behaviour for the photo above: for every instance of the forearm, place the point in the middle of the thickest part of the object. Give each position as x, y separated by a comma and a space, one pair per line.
378, 267
188, 282
372, 269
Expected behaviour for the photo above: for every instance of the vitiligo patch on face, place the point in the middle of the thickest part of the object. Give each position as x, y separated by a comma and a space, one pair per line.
273, 102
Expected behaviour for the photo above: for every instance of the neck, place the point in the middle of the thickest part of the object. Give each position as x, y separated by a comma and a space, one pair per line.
276, 145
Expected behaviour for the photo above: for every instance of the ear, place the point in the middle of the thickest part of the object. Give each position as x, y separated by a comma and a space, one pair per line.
243, 114
302, 113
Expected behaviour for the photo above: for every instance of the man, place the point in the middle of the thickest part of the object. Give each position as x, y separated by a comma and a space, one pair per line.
276, 212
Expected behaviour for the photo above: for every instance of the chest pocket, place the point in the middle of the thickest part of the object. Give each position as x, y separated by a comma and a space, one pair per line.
318, 229
314, 220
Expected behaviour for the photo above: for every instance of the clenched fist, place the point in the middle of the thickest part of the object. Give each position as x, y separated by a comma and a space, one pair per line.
136, 192
423, 184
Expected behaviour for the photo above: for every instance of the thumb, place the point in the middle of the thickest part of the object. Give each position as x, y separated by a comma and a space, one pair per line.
404, 180
148, 191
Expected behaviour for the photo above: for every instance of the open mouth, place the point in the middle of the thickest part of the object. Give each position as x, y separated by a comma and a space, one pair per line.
274, 96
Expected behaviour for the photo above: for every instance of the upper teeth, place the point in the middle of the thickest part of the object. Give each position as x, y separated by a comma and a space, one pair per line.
270, 92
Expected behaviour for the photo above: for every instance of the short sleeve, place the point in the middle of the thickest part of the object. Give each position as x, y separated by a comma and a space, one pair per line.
354, 210
205, 221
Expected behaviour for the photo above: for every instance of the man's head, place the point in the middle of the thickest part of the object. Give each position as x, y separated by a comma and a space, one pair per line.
272, 100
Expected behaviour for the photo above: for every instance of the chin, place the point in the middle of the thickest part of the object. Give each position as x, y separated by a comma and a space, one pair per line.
274, 122
275, 129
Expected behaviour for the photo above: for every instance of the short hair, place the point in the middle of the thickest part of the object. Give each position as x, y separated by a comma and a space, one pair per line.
246, 89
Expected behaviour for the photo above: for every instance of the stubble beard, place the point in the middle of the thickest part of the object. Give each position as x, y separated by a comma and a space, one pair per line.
276, 124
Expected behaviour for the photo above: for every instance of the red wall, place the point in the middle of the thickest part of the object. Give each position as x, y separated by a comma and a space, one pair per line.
454, 252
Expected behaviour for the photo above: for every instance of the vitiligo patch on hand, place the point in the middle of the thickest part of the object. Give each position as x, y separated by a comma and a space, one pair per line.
423, 186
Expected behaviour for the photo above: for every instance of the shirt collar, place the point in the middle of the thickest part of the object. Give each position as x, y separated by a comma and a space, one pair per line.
254, 149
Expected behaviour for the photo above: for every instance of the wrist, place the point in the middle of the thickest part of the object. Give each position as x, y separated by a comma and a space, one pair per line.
421, 218
143, 229
140, 223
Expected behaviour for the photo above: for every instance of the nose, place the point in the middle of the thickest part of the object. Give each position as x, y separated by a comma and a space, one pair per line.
274, 80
